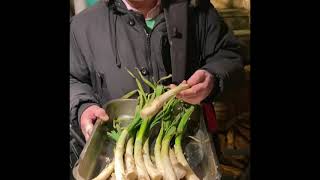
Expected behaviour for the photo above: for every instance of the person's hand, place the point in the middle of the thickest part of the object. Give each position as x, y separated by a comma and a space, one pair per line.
89, 116
201, 83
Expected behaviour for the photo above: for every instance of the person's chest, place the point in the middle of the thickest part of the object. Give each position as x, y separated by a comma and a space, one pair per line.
123, 42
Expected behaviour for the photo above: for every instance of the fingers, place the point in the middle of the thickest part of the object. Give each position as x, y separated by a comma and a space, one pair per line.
194, 95
193, 91
197, 77
101, 113
191, 100
196, 81
88, 118
201, 83
189, 95
87, 127
172, 86
88, 130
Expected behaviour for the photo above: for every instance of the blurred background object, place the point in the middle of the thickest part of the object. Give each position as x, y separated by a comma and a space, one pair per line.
79, 5
228, 4
71, 8
233, 108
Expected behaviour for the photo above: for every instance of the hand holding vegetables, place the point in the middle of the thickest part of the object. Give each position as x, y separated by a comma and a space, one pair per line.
159, 113
89, 116
155, 106
201, 83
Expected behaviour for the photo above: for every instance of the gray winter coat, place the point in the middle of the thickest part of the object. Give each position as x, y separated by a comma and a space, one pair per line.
107, 38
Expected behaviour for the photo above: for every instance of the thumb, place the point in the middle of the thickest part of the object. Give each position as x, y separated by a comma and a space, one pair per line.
197, 77
172, 86
101, 113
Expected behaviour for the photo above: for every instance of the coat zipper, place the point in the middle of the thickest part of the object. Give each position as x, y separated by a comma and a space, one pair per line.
148, 52
148, 48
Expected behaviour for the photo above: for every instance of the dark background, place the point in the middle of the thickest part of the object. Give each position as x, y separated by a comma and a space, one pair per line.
35, 90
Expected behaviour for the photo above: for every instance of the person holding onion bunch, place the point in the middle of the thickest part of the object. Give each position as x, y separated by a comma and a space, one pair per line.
114, 35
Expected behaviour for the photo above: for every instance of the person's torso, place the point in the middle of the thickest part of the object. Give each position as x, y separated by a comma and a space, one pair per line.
113, 41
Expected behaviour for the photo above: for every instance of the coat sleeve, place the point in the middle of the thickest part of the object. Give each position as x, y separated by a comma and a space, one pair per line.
221, 54
81, 92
